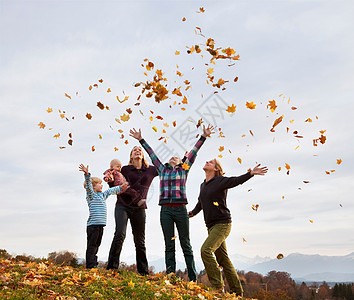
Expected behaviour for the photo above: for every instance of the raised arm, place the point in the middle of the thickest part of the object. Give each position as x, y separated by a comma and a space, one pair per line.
193, 153
155, 160
88, 183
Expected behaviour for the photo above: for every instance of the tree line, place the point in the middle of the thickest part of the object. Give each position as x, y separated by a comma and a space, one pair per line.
273, 286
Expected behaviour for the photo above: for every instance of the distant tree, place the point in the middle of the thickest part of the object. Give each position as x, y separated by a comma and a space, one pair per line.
64, 257
4, 254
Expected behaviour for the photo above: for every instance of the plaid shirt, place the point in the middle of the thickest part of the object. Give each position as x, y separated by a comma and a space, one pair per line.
173, 179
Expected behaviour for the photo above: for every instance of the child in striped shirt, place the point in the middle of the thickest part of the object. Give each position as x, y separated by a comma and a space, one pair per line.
96, 200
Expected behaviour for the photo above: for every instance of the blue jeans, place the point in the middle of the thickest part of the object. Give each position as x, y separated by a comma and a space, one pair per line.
169, 216
137, 219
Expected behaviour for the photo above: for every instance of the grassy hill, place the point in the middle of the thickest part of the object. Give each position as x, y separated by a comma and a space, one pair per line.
45, 280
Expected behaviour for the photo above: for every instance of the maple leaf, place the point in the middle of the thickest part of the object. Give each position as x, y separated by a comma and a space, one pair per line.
229, 51
184, 101
95, 85
88, 116
201, 10
250, 105
220, 156
131, 283
280, 256
116, 149
67, 96
210, 70
125, 117
221, 148
177, 52
41, 125
231, 109
56, 135
49, 110
339, 161
109, 90
216, 203
129, 110
271, 105
200, 122
101, 80
185, 166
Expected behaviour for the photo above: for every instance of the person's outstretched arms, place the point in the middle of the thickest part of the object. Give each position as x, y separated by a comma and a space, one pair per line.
155, 160
259, 171
193, 153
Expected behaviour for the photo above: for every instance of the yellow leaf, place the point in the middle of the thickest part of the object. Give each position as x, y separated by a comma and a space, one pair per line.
185, 166
131, 283
173, 238
49, 110
125, 117
220, 156
287, 166
154, 128
216, 203
151, 118
210, 70
125, 99
177, 53
221, 148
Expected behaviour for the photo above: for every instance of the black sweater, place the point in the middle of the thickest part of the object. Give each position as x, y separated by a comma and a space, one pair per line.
212, 198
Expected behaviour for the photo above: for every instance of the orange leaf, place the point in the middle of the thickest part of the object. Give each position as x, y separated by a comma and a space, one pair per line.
125, 99
184, 101
56, 136
174, 123
125, 117
250, 105
93, 148
236, 78
311, 221
280, 256
101, 80
221, 148
183, 19
339, 161
244, 240
276, 122
177, 53
116, 149
67, 95
90, 87
88, 116
231, 109
272, 105
239, 160
109, 90
255, 207
100, 137
41, 125
49, 110
100, 105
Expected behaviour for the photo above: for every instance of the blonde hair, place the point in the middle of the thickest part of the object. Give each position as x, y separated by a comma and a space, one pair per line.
143, 161
94, 181
219, 170
115, 161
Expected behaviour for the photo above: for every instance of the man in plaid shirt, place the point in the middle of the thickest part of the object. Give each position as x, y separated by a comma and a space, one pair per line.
173, 200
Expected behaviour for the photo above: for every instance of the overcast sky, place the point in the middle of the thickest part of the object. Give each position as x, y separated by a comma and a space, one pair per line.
297, 50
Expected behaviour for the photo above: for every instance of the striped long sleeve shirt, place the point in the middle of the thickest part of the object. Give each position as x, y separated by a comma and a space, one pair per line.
173, 179
97, 202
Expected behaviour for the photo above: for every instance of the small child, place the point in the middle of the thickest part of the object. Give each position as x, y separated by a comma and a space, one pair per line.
114, 177
96, 200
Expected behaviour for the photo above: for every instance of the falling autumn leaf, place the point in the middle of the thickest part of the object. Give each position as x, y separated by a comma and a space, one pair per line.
271, 105
216, 203
116, 149
255, 207
154, 128
93, 148
244, 240
67, 96
311, 221
125, 117
100, 137
56, 135
49, 110
100, 105
174, 123
276, 122
250, 105
70, 142
339, 161
239, 160
280, 256
236, 78
109, 90
231, 109
125, 99
173, 238
41, 125
183, 19
88, 116
90, 87
221, 148
185, 166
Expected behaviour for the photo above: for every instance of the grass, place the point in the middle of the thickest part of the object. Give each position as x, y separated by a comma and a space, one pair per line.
45, 280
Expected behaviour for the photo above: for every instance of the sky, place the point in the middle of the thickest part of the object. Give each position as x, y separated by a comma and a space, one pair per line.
297, 53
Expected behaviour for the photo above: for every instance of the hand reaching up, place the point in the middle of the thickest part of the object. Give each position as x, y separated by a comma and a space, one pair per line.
135, 134
208, 131
84, 169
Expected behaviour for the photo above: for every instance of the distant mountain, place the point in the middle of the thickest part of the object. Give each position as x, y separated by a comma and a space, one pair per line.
311, 267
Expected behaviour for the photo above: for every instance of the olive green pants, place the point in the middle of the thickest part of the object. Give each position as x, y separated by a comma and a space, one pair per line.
215, 244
